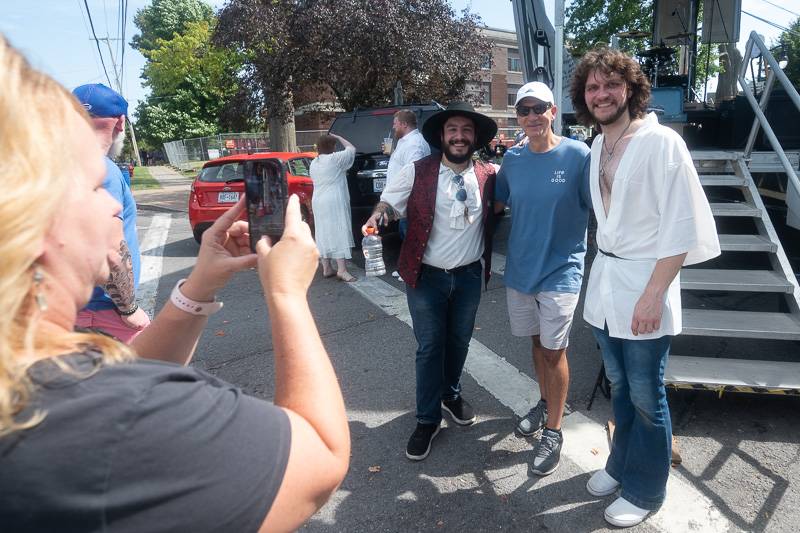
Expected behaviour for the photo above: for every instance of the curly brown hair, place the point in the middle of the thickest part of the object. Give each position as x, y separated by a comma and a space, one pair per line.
608, 60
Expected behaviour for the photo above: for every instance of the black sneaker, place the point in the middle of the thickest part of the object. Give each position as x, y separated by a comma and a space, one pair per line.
547, 453
534, 421
460, 410
419, 445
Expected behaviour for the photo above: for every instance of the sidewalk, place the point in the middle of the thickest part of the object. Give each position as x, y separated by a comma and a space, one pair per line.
171, 197
169, 178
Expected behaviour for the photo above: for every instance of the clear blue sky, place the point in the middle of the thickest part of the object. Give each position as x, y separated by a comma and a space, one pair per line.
55, 35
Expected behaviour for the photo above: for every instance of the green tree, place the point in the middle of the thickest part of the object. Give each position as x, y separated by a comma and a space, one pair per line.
194, 87
791, 43
164, 18
359, 48
180, 116
594, 22
422, 43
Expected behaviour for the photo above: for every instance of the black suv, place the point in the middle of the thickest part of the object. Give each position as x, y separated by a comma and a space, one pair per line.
366, 129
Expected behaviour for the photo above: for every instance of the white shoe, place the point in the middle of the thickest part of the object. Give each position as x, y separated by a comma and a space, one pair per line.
623, 513
395, 274
602, 484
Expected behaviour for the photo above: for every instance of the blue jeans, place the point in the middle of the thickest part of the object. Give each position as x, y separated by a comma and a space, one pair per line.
402, 226
642, 445
443, 307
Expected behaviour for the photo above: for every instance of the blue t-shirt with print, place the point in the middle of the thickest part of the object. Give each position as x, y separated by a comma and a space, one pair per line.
116, 186
549, 198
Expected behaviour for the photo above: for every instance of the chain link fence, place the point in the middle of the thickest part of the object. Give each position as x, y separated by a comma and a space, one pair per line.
187, 154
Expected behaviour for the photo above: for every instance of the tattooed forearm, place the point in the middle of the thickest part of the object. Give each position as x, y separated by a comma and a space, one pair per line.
120, 282
386, 212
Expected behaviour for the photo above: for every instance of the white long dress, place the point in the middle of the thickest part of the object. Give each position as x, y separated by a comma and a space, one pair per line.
331, 203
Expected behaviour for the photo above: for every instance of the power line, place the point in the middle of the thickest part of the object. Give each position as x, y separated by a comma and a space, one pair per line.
97, 42
119, 27
124, 4
781, 7
86, 27
105, 14
774, 25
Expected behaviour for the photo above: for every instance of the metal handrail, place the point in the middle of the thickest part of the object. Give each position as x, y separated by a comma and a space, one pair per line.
758, 107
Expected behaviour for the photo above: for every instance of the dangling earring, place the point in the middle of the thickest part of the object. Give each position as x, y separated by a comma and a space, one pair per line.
41, 300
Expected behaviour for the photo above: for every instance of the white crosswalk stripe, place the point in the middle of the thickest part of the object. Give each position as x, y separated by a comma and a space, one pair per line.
152, 249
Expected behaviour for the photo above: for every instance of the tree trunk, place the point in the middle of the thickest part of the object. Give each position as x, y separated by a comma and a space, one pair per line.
282, 137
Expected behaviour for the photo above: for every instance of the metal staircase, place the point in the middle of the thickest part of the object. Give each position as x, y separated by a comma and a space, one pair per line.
766, 322
733, 194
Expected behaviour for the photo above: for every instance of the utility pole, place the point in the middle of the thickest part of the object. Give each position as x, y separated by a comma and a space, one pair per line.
559, 64
119, 90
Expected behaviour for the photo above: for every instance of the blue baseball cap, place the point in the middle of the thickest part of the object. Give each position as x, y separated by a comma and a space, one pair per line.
101, 101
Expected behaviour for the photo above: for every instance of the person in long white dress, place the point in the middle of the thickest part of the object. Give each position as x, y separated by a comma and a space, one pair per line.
331, 205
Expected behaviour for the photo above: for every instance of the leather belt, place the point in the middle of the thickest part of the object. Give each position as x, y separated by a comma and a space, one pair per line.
609, 254
455, 270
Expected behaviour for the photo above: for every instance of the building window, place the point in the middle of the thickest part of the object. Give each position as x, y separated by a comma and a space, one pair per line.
487, 62
514, 60
486, 93
512, 93
480, 92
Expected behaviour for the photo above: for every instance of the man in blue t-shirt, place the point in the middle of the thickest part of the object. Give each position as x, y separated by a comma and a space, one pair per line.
112, 308
546, 183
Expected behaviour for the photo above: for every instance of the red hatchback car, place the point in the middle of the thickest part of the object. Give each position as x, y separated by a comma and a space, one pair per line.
220, 183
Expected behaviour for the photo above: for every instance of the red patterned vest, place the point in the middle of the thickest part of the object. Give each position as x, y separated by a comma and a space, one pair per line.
422, 206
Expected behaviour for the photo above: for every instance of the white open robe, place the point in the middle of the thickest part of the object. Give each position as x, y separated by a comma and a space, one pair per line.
658, 209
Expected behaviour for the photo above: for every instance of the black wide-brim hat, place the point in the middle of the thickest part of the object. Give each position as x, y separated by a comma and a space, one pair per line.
485, 127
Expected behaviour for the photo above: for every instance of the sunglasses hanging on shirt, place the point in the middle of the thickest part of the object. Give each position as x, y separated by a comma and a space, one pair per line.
538, 109
461, 193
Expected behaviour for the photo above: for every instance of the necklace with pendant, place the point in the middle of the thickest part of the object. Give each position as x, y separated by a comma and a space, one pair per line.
606, 184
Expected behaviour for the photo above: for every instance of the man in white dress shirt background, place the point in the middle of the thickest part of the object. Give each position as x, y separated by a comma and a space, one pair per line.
652, 218
410, 146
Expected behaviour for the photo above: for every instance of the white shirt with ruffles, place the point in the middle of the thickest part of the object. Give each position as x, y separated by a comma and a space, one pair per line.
658, 209
456, 237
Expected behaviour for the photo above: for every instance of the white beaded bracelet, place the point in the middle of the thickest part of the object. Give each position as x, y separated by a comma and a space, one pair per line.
182, 302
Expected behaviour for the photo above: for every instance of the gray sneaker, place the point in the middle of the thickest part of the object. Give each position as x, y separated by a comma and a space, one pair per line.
547, 453
534, 421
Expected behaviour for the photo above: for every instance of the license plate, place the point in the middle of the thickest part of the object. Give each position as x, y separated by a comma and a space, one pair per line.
378, 184
228, 197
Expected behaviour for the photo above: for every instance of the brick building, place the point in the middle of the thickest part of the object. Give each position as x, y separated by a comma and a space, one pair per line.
497, 85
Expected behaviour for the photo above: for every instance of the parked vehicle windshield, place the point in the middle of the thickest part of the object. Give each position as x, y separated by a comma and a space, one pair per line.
221, 173
366, 132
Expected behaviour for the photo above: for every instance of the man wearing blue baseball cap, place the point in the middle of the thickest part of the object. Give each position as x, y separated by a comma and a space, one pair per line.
113, 308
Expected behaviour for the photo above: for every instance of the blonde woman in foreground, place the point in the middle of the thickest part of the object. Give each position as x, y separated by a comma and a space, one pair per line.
98, 436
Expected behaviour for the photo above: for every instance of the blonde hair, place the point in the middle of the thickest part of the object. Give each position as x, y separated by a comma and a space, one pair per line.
36, 118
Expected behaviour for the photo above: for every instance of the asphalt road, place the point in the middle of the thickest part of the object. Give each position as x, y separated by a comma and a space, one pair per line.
740, 452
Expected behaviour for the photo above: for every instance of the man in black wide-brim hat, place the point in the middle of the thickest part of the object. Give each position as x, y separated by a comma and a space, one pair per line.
447, 200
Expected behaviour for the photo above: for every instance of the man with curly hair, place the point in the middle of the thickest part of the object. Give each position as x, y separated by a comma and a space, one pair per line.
652, 218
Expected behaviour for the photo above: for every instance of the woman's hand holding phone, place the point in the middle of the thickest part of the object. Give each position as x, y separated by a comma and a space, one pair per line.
288, 267
224, 250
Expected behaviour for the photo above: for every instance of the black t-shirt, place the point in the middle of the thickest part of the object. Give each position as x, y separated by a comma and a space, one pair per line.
144, 446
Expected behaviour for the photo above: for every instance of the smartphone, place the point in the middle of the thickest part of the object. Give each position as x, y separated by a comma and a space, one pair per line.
267, 194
